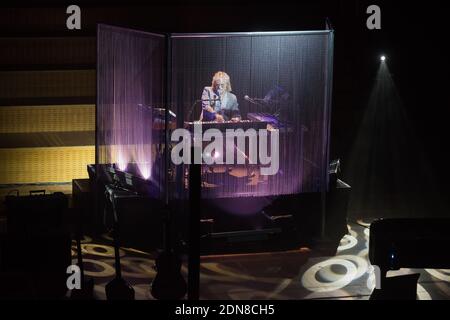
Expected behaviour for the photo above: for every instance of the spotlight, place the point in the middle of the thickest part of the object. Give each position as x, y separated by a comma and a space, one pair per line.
122, 166
382, 58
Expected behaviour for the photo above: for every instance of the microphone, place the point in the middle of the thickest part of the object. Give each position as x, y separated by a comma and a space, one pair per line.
246, 97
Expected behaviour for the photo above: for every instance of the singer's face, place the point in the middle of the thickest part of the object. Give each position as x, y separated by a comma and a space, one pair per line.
221, 85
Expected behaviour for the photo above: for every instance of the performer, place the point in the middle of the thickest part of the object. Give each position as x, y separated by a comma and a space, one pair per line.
218, 103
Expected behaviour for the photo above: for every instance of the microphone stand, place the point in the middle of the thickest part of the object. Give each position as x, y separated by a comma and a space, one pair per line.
195, 102
260, 106
192, 109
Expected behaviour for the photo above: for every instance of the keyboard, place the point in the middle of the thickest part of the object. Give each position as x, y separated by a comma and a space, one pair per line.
265, 117
273, 122
243, 124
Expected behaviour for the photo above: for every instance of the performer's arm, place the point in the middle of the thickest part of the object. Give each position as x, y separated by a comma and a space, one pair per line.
206, 103
235, 114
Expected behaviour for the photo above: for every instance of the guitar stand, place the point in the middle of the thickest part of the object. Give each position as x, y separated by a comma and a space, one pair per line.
86, 292
168, 284
118, 288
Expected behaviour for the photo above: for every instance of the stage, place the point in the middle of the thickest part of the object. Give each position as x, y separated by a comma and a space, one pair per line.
304, 273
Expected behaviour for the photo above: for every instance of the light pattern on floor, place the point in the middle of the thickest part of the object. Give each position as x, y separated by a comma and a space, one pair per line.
347, 275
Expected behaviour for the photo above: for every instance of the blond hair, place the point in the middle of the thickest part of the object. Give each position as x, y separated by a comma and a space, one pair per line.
221, 75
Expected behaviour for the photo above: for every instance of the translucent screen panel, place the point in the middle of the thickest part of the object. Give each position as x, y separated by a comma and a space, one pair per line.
130, 90
276, 84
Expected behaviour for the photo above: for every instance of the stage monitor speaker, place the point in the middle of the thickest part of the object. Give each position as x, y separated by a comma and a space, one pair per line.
35, 213
409, 243
140, 219
403, 287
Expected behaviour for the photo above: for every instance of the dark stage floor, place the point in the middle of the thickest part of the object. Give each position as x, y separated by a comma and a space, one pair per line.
297, 274
301, 274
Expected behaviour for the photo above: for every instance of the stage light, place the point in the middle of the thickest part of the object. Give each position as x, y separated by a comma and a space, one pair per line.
383, 58
121, 161
122, 165
145, 170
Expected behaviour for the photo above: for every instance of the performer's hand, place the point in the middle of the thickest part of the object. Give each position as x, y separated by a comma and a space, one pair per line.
235, 119
209, 109
219, 118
